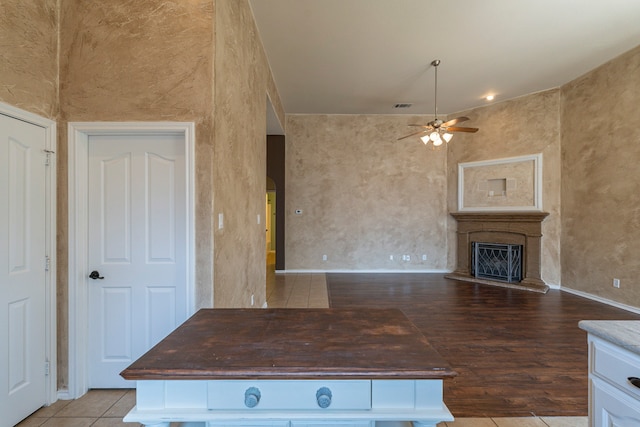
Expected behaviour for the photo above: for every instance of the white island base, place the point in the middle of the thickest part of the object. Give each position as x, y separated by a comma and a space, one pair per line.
289, 403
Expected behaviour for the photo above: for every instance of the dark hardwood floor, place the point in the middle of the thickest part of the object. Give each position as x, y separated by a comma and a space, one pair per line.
517, 353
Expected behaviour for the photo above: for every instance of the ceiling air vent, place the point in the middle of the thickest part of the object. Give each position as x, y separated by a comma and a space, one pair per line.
402, 105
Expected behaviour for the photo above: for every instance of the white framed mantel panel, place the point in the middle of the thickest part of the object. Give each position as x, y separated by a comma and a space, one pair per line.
522, 177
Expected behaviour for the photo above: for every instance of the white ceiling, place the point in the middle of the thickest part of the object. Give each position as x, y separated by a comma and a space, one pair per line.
364, 56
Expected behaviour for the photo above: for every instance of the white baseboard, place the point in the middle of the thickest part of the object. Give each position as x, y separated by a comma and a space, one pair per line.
64, 395
606, 301
361, 271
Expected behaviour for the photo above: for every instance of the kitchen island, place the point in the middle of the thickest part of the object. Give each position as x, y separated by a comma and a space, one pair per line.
614, 372
291, 368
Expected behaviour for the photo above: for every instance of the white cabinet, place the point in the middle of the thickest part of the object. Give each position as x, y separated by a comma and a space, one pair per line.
612, 408
613, 392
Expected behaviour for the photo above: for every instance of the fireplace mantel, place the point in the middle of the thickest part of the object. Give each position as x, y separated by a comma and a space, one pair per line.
514, 227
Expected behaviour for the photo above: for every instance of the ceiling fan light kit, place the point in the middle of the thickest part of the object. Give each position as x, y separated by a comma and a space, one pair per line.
437, 131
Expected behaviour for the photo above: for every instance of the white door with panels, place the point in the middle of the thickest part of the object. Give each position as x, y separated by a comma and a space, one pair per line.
23, 264
137, 248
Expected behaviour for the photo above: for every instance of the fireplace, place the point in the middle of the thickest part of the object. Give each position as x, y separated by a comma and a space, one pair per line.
511, 229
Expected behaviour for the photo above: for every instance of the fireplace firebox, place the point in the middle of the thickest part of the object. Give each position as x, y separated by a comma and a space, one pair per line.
496, 261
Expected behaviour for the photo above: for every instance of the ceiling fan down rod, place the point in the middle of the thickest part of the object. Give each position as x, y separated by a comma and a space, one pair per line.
435, 63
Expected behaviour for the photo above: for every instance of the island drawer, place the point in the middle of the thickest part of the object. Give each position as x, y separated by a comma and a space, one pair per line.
289, 394
616, 366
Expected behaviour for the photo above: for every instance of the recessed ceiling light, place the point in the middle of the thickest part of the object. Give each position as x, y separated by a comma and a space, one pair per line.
489, 97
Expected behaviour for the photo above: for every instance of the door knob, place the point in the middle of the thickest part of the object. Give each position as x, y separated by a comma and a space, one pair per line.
95, 275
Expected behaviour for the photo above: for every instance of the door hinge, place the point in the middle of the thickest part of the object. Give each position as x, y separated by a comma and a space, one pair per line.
47, 160
47, 263
47, 367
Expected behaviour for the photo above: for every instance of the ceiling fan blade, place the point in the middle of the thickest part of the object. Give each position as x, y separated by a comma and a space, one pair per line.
412, 134
461, 129
423, 126
454, 121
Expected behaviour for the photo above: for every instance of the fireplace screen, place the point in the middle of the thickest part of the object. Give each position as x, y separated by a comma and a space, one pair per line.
496, 262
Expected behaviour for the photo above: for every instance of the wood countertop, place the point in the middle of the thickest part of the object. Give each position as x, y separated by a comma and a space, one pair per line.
284, 344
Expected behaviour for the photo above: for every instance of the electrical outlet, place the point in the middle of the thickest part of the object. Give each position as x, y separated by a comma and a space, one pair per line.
424, 257
324, 257
616, 283
390, 257
252, 300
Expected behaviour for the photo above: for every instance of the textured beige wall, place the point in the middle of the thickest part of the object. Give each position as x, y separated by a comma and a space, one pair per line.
151, 60
600, 182
243, 82
526, 125
363, 194
126, 60
29, 55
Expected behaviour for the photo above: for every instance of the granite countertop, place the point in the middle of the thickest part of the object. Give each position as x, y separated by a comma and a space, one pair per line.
625, 333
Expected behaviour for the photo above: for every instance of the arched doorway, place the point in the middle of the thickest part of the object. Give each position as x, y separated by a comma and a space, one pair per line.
276, 181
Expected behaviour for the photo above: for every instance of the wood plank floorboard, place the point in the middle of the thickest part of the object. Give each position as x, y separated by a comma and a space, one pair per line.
517, 353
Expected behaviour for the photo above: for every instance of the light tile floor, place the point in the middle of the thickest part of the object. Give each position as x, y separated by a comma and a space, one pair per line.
98, 408
297, 290
106, 408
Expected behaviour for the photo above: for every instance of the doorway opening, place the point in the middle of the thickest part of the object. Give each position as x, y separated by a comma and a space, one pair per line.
276, 183
270, 223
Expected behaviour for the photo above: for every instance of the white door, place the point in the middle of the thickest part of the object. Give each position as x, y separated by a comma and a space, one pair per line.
137, 233
22, 269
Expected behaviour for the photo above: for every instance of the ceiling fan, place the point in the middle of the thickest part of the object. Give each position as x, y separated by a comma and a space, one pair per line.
436, 130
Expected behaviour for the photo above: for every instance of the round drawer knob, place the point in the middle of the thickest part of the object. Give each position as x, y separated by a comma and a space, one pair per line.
323, 396
251, 397
634, 381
